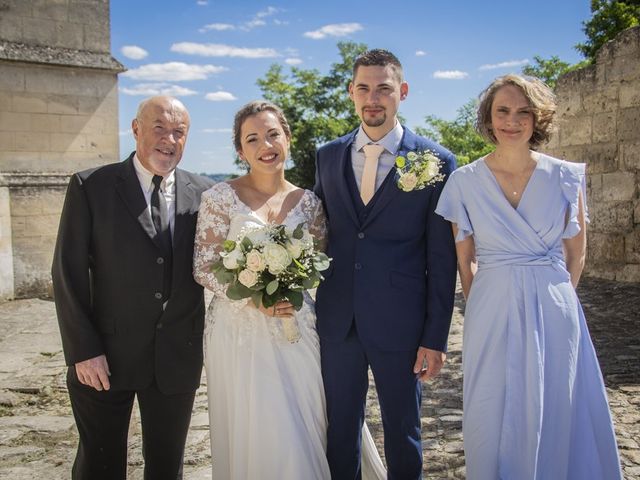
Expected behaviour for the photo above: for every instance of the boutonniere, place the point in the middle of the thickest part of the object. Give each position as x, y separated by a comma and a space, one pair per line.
418, 170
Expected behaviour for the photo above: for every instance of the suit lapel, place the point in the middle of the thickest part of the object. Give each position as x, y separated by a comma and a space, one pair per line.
344, 154
128, 187
185, 199
389, 188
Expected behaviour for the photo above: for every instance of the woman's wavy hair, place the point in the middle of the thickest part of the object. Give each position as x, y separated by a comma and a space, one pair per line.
540, 97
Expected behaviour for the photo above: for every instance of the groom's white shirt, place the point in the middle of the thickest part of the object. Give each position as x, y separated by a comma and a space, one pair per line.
390, 142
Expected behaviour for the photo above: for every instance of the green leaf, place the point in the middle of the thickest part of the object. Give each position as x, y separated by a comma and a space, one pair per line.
296, 299
237, 291
257, 298
224, 276
298, 233
310, 282
272, 287
246, 244
321, 261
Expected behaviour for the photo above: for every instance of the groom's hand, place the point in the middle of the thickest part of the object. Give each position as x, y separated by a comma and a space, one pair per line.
428, 363
94, 372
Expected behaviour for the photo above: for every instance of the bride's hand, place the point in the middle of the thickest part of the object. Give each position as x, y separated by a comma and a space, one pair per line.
280, 309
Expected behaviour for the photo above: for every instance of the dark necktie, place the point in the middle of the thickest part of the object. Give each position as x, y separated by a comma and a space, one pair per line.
160, 218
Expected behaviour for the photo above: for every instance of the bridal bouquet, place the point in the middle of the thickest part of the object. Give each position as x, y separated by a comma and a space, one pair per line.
269, 264
418, 170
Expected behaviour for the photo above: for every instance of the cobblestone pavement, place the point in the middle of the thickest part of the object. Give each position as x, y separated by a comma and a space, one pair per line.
38, 436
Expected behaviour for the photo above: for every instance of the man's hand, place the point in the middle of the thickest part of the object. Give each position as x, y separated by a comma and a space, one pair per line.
94, 372
428, 363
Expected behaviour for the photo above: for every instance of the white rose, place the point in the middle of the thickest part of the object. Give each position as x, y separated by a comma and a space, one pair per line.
231, 259
432, 169
248, 278
412, 156
277, 257
255, 261
295, 247
408, 181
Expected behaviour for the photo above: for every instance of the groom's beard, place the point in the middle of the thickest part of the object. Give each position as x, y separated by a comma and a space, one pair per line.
374, 121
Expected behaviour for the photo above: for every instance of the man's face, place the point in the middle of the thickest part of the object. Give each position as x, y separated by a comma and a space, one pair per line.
376, 93
161, 134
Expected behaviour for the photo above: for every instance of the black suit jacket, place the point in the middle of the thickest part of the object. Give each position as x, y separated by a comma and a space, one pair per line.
108, 273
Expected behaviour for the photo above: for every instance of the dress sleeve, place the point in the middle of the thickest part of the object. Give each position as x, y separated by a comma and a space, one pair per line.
452, 208
318, 223
572, 182
211, 232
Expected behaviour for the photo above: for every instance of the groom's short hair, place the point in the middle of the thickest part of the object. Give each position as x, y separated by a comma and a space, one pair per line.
378, 57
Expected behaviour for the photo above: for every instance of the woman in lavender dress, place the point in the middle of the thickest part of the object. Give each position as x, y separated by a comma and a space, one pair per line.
535, 405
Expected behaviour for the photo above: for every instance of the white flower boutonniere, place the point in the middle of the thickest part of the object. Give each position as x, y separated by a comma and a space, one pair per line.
418, 170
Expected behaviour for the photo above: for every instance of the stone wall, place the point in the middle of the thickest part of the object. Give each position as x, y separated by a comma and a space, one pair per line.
58, 114
599, 123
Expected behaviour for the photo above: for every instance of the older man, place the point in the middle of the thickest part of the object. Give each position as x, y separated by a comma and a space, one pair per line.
130, 313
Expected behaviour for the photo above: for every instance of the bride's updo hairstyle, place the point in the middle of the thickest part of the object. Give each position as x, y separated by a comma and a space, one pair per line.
540, 97
253, 108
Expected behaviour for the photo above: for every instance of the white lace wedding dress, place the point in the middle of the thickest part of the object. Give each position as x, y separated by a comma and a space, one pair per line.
266, 398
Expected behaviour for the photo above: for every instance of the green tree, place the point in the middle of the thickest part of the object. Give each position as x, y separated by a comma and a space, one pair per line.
459, 135
547, 70
609, 18
317, 107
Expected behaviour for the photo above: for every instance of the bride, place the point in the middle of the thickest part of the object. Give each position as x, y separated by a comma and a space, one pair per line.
266, 399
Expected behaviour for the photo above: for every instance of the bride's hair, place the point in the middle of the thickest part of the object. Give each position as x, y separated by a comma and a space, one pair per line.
253, 108
540, 97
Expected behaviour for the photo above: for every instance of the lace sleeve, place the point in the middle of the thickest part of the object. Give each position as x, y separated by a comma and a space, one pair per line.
318, 222
211, 232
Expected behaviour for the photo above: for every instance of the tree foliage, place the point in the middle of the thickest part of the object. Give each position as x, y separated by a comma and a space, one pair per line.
548, 70
609, 18
317, 107
459, 135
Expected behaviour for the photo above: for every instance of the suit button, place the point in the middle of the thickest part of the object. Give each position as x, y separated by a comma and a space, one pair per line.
360, 235
358, 266
160, 260
159, 326
158, 295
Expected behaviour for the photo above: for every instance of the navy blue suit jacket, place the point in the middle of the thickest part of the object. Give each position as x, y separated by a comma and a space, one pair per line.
394, 272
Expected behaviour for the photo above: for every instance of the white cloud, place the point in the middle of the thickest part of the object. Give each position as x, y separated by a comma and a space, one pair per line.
202, 2
150, 89
220, 96
293, 61
218, 27
256, 22
450, 74
173, 72
420, 53
134, 52
220, 50
334, 30
267, 12
507, 64
217, 130
280, 22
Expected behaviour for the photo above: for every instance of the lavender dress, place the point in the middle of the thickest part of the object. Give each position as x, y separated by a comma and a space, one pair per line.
535, 405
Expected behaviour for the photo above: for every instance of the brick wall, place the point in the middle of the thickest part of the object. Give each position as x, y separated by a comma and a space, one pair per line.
58, 115
599, 123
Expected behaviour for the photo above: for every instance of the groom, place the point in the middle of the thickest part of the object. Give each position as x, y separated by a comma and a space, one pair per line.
387, 299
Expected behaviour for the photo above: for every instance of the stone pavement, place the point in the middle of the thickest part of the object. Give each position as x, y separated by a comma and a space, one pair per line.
38, 436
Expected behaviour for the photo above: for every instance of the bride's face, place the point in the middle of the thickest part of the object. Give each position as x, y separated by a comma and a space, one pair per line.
264, 143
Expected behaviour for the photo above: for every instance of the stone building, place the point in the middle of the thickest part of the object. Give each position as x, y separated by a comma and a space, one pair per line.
58, 114
599, 123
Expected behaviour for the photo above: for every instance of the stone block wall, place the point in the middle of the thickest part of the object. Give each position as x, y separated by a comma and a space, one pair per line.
599, 124
58, 115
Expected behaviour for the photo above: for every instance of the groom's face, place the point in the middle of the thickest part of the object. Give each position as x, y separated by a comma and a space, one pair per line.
376, 93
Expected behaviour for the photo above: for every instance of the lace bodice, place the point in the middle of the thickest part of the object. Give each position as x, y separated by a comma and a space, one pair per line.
222, 215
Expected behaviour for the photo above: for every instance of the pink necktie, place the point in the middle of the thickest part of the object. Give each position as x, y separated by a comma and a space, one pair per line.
368, 183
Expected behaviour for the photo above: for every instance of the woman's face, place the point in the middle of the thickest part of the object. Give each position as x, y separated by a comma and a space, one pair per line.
264, 144
512, 119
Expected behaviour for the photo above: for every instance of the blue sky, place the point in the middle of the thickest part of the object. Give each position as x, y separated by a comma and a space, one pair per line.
210, 53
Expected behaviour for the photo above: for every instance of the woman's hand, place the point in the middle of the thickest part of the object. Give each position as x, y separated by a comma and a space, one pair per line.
281, 309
